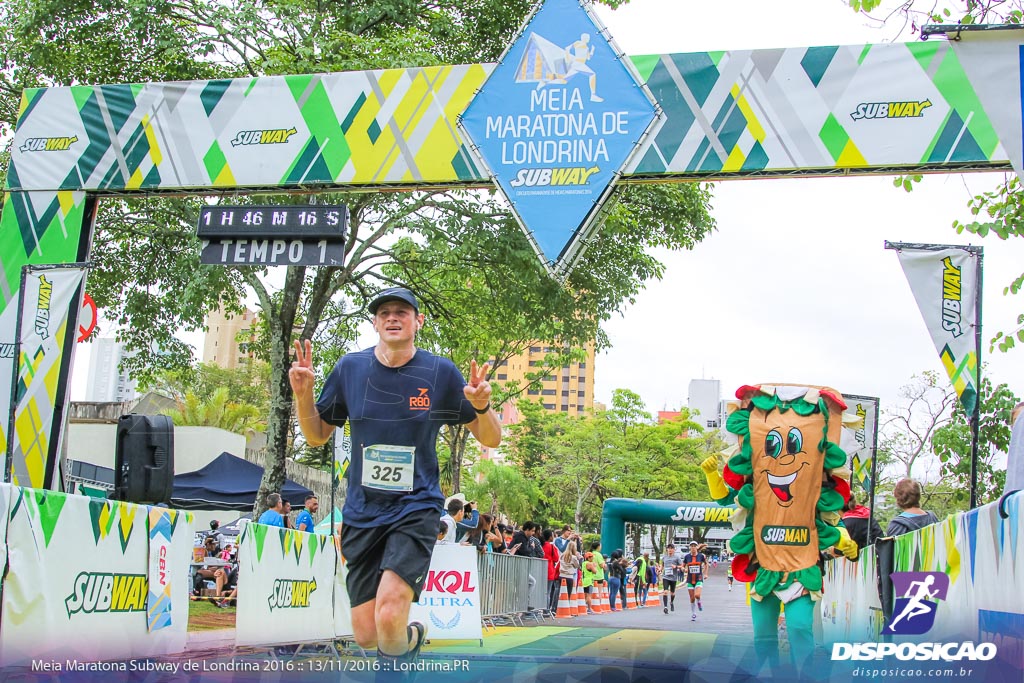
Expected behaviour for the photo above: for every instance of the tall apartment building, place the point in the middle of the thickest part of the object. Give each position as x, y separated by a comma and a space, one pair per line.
107, 383
569, 389
221, 346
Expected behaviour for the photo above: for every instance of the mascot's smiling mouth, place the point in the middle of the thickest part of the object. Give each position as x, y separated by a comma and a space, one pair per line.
780, 485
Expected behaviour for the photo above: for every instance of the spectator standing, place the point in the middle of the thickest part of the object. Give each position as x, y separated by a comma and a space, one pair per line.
562, 541
599, 562
216, 535
551, 554
569, 566
908, 497
526, 539
451, 518
856, 518
640, 580
304, 521
589, 572
272, 516
286, 513
470, 520
495, 539
616, 580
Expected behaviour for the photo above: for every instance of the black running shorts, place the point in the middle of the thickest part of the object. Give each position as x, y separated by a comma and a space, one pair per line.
404, 547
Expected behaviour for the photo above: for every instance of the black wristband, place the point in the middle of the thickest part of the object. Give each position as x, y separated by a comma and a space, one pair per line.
482, 411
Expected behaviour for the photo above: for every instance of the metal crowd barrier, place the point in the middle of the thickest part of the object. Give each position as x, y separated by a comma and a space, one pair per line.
512, 588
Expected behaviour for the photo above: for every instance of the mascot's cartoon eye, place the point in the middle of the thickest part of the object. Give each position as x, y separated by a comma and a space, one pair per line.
773, 444
794, 441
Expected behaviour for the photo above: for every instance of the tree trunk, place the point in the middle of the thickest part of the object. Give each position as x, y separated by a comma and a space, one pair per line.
654, 542
277, 426
636, 539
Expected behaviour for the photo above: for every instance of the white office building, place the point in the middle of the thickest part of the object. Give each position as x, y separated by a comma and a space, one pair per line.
107, 383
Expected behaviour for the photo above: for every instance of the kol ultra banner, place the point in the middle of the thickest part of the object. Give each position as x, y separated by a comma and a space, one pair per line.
450, 602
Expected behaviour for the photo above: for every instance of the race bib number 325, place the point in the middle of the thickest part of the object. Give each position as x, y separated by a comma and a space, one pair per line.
389, 468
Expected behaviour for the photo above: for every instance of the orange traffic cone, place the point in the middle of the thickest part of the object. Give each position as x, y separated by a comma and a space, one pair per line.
630, 599
564, 611
653, 598
581, 599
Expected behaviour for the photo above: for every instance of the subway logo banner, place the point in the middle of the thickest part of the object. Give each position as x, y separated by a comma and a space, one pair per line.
945, 285
858, 438
95, 607
288, 577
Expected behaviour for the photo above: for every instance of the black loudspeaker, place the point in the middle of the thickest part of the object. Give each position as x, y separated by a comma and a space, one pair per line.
144, 459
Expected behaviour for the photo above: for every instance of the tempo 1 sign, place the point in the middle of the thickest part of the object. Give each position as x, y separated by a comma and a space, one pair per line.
306, 235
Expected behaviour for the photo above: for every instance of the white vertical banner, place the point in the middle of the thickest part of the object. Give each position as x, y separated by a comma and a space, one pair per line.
285, 586
450, 602
76, 586
859, 440
944, 281
42, 321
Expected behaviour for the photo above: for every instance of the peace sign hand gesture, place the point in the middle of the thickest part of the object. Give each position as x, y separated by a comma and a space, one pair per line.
478, 390
301, 375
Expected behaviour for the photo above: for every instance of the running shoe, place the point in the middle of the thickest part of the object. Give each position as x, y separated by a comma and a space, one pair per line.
693, 617
417, 645
665, 610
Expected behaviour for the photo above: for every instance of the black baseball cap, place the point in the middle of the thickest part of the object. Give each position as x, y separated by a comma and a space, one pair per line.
393, 294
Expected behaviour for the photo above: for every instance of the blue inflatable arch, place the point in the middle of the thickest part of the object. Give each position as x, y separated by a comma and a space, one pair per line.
617, 511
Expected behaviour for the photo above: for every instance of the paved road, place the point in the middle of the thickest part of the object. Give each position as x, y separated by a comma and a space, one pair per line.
724, 612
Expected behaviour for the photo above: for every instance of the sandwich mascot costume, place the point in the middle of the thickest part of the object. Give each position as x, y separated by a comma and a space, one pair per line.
789, 480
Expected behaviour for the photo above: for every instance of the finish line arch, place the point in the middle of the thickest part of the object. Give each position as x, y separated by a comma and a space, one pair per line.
617, 511
737, 114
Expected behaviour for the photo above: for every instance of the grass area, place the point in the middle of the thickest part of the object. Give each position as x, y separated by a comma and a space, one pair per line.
203, 615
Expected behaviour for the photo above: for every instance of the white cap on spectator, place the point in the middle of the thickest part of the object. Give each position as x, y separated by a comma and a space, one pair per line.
458, 496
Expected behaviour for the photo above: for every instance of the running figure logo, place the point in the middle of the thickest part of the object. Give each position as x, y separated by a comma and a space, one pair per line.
914, 612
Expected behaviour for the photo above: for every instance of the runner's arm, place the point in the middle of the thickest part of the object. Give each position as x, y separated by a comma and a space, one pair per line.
316, 431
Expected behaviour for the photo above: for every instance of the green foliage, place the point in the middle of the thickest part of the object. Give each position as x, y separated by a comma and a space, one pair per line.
578, 462
952, 444
502, 489
216, 411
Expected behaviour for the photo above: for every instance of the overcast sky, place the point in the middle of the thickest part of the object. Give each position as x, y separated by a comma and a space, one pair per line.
828, 305
795, 285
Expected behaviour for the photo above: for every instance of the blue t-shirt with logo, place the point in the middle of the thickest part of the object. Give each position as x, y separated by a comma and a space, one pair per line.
304, 517
403, 406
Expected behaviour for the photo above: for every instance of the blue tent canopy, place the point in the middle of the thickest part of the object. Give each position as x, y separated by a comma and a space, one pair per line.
227, 483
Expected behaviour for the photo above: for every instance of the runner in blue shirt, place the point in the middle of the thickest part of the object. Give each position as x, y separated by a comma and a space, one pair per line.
395, 398
304, 520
